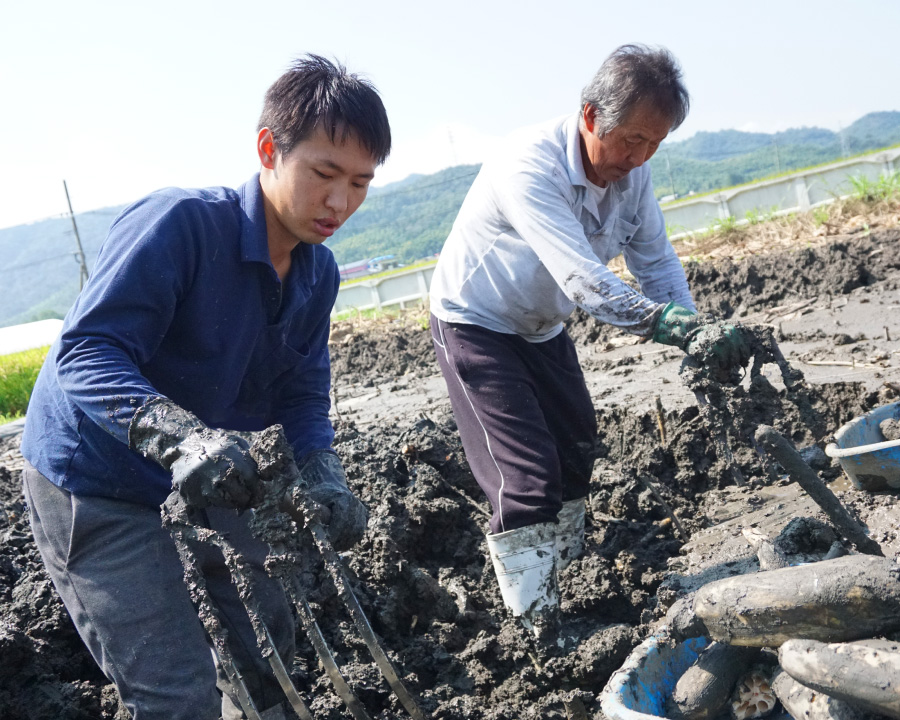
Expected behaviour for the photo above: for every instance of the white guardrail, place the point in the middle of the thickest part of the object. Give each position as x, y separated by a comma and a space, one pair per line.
797, 192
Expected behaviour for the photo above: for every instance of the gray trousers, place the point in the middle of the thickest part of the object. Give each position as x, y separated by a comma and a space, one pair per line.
120, 577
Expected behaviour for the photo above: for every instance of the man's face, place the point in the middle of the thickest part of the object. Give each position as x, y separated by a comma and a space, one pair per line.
625, 147
312, 190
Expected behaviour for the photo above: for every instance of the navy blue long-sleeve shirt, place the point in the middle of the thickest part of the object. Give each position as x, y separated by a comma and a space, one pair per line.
183, 303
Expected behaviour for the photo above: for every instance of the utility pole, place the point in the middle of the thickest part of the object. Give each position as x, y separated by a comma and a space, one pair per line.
79, 256
669, 169
777, 157
844, 150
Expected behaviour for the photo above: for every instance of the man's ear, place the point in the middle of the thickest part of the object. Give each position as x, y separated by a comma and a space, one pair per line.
588, 117
265, 147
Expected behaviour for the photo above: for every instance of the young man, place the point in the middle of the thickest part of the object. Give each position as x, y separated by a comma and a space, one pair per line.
531, 242
207, 314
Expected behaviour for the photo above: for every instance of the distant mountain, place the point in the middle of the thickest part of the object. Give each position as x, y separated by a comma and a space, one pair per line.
712, 160
410, 219
39, 273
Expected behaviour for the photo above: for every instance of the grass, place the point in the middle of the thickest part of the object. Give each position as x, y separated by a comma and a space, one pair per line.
348, 322
384, 315
18, 373
392, 271
871, 204
354, 315
886, 188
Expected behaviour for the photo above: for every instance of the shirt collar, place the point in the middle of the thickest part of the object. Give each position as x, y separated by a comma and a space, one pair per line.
574, 161
255, 240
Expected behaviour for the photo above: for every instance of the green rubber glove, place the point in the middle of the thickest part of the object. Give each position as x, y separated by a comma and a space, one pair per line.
717, 345
675, 325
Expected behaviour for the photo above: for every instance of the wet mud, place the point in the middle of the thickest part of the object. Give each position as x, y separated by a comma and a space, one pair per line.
660, 487
726, 288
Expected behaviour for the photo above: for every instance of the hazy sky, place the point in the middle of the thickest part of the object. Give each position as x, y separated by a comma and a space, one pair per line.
121, 98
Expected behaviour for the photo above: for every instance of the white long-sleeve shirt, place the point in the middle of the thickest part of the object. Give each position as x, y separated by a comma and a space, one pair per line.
533, 237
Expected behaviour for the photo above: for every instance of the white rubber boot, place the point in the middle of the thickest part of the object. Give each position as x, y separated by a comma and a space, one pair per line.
524, 560
570, 533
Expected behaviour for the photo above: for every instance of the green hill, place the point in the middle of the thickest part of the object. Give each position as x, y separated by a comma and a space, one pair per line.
709, 161
39, 275
410, 219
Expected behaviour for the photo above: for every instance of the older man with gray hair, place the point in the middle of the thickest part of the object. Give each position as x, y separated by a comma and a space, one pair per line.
531, 242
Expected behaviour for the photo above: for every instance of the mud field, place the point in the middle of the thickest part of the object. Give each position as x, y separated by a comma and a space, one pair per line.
662, 506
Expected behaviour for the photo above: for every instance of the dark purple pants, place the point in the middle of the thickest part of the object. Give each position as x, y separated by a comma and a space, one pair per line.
525, 419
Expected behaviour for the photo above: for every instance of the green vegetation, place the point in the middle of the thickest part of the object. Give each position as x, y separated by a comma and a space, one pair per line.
18, 373
773, 176
388, 313
820, 215
886, 187
710, 162
754, 217
409, 220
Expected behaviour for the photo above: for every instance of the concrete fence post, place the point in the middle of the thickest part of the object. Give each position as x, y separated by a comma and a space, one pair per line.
802, 191
423, 283
724, 210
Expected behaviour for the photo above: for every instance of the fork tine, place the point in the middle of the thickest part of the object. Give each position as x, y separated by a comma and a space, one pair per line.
284, 679
344, 691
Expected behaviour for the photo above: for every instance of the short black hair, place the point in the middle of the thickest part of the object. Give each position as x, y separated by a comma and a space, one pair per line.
633, 74
314, 92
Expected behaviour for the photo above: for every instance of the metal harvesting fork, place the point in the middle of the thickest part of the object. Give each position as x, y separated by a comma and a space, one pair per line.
280, 520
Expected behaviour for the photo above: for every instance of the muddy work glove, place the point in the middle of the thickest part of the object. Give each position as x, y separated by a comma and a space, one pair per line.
717, 345
345, 516
208, 466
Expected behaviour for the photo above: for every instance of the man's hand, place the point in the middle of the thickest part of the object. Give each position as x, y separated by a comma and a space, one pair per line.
346, 517
208, 466
717, 345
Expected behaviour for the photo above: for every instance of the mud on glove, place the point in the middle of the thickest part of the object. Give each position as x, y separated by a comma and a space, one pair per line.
208, 466
345, 521
717, 345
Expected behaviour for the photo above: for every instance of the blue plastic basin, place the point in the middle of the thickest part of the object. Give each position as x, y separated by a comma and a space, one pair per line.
869, 461
640, 689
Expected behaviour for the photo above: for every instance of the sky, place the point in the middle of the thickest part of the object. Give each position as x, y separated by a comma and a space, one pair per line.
120, 98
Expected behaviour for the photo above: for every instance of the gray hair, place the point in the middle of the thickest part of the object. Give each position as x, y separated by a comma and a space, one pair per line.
633, 74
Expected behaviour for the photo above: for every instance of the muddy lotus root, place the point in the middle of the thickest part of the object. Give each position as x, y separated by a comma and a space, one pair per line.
753, 697
706, 687
890, 428
864, 674
848, 598
683, 621
802, 702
